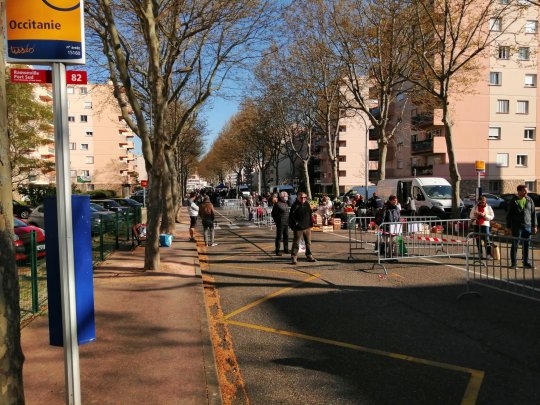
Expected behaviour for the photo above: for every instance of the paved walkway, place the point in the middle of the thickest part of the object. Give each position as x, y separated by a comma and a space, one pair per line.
152, 346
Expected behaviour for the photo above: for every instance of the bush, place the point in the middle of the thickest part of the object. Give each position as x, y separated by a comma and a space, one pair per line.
97, 194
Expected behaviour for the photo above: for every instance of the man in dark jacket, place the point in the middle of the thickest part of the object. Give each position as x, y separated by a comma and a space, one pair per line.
300, 223
280, 215
521, 219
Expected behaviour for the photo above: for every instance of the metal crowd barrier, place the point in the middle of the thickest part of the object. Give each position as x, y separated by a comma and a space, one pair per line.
363, 232
492, 267
261, 216
233, 207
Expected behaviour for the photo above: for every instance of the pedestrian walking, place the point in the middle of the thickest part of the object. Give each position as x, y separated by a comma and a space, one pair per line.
481, 214
410, 205
193, 211
207, 214
521, 219
280, 215
300, 223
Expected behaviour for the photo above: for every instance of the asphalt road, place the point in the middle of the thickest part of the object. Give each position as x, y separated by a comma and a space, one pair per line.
340, 332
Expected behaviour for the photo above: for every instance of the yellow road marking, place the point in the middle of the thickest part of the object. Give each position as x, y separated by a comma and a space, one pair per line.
269, 296
471, 392
257, 269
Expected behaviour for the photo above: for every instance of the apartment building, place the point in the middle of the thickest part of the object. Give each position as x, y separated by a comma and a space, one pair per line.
496, 120
101, 144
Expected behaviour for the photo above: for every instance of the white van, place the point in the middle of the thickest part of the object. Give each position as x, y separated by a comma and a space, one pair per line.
432, 195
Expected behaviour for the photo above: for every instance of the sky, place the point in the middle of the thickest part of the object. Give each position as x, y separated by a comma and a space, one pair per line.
216, 116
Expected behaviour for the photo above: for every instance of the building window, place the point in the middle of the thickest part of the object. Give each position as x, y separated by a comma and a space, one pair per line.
530, 80
342, 128
71, 118
495, 78
85, 173
494, 186
529, 134
503, 106
89, 133
400, 164
414, 138
84, 118
90, 159
87, 104
70, 90
521, 160
84, 146
524, 53
83, 90
531, 27
342, 144
72, 146
502, 159
504, 52
342, 173
342, 158
494, 133
495, 24
531, 185
90, 187
504, 1
522, 107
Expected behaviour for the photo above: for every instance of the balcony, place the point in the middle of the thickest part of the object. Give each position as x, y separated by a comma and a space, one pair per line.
373, 154
422, 170
429, 146
422, 120
372, 134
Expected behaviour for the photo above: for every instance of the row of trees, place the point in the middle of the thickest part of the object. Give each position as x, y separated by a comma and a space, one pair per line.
374, 58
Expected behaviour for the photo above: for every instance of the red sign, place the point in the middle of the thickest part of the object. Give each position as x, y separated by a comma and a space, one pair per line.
76, 77
144, 183
29, 76
45, 76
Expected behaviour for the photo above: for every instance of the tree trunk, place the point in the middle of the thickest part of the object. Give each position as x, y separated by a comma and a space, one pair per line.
455, 178
383, 151
151, 253
168, 214
306, 176
11, 358
335, 176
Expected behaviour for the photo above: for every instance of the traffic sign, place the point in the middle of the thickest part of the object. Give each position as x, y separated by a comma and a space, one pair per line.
480, 165
45, 31
45, 76
144, 183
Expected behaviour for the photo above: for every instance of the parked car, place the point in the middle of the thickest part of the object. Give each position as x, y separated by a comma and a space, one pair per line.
98, 214
127, 202
110, 205
21, 240
493, 200
37, 217
21, 210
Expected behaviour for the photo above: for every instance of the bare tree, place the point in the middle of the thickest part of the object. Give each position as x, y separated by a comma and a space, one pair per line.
448, 37
160, 52
371, 38
11, 359
320, 73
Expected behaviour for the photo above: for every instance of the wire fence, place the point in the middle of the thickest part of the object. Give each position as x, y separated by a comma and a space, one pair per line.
109, 233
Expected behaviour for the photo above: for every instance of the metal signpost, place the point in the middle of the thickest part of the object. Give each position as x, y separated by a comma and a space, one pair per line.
52, 31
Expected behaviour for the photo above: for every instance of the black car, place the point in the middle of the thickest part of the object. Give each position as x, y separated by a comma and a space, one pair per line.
21, 210
127, 202
110, 205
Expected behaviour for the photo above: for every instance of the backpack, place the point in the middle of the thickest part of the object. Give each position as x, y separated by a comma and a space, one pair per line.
379, 216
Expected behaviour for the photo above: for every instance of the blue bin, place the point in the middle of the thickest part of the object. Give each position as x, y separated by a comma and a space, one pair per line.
165, 240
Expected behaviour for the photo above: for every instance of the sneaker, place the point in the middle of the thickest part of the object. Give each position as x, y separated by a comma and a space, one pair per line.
489, 257
192, 240
213, 244
528, 266
278, 253
311, 259
293, 261
513, 266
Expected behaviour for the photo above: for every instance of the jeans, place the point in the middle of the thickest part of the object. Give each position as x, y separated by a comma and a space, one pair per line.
208, 235
306, 234
525, 233
282, 233
484, 236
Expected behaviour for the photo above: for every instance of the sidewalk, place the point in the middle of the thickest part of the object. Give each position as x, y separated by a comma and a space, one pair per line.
152, 341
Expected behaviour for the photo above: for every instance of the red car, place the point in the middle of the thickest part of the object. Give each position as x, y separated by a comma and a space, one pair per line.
22, 240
